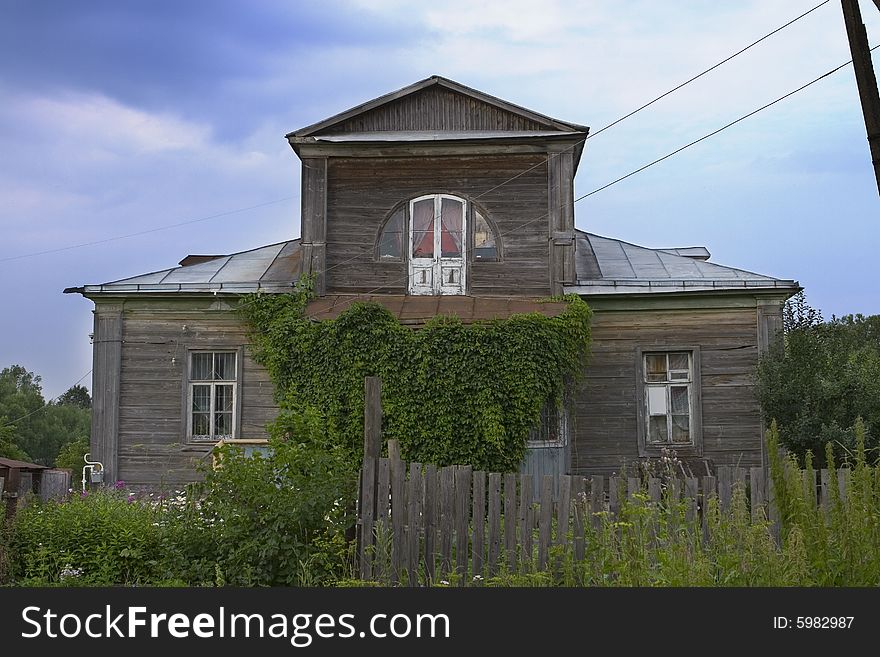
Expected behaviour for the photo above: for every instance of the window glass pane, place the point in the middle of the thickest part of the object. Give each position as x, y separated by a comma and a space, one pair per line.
657, 430
655, 367
224, 366
201, 367
391, 240
678, 361
222, 425
681, 429
451, 219
223, 398
201, 398
484, 239
201, 424
679, 398
657, 400
423, 228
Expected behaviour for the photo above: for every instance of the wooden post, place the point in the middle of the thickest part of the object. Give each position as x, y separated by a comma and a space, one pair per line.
545, 520
447, 502
432, 494
462, 520
510, 520
478, 521
494, 522
413, 523
398, 511
372, 446
865, 78
525, 520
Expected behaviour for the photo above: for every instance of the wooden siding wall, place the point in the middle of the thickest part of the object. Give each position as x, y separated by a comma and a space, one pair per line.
362, 191
152, 448
605, 415
436, 108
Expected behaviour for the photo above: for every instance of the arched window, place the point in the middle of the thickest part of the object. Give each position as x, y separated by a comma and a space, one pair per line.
439, 236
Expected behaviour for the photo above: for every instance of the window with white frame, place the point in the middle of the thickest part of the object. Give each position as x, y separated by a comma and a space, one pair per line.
669, 392
440, 236
212, 395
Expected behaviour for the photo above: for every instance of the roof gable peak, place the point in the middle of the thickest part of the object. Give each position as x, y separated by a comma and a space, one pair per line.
435, 104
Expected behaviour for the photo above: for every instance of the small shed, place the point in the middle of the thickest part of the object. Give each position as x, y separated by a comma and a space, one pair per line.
18, 478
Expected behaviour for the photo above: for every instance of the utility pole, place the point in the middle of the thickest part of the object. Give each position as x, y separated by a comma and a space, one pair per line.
865, 78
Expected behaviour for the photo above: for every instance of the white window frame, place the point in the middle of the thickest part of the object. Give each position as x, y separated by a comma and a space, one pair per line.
234, 383
437, 265
693, 383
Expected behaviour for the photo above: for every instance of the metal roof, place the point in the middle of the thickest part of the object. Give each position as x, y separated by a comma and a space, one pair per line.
20, 465
270, 268
609, 266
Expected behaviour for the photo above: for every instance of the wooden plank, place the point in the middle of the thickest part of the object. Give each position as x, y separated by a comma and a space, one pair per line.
545, 520
478, 522
654, 490
510, 521
398, 511
563, 510
597, 500
525, 521
825, 491
773, 510
372, 445
383, 492
633, 486
447, 502
757, 488
614, 485
494, 522
709, 491
724, 487
414, 494
463, 476
692, 493
582, 511
432, 498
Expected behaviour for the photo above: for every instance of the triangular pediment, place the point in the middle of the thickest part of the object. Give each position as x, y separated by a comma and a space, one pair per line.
437, 104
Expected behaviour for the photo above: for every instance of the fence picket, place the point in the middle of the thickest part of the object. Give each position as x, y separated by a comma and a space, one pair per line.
494, 522
478, 521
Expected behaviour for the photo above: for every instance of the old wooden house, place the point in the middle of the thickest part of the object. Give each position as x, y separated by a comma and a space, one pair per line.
675, 337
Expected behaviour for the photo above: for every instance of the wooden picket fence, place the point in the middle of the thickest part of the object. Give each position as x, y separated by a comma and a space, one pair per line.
425, 522
419, 523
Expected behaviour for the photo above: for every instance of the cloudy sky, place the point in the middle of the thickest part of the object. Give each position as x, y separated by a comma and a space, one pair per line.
126, 117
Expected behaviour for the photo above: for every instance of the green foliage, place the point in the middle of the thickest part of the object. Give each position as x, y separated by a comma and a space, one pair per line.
76, 396
98, 539
39, 429
818, 380
451, 393
71, 456
279, 520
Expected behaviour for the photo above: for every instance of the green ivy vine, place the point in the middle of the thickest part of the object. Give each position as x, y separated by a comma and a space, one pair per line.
451, 393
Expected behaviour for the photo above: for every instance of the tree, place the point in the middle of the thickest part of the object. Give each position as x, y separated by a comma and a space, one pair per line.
820, 379
8, 448
38, 428
76, 396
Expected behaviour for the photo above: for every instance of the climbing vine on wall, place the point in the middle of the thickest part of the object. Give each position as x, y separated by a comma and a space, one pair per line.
451, 393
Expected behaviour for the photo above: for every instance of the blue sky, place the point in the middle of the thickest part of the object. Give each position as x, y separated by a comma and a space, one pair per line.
121, 117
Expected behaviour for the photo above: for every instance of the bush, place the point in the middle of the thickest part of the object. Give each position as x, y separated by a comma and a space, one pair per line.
101, 538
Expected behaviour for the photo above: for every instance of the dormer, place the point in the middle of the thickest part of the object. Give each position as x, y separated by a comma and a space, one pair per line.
439, 189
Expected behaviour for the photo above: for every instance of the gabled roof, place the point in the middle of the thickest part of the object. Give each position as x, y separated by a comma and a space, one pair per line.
608, 266
272, 268
528, 120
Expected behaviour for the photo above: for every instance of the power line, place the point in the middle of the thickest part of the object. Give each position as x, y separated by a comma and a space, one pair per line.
45, 405
715, 132
505, 182
405, 279
711, 68
149, 230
